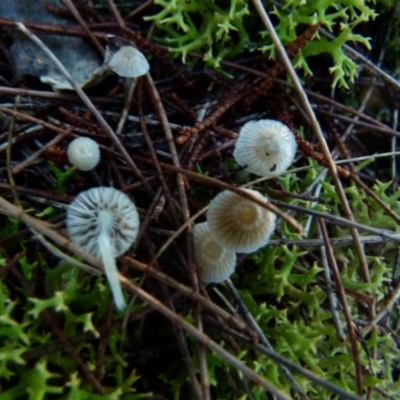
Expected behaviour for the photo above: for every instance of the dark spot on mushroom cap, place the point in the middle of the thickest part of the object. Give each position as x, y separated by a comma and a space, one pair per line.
273, 168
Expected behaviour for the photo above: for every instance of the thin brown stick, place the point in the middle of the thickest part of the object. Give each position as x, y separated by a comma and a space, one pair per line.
71, 7
139, 9
28, 161
8, 162
29, 118
54, 96
342, 296
116, 13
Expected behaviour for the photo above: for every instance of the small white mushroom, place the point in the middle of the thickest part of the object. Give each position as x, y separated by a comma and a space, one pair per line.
215, 264
265, 147
129, 62
239, 224
83, 153
104, 222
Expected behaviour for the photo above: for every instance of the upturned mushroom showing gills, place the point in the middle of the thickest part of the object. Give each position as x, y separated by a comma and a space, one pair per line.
239, 224
83, 153
265, 148
215, 264
129, 62
104, 222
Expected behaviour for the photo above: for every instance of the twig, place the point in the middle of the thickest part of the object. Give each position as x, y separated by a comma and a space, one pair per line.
343, 241
263, 338
342, 296
8, 162
389, 304
341, 221
28, 161
82, 23
116, 13
333, 304
139, 9
58, 253
129, 89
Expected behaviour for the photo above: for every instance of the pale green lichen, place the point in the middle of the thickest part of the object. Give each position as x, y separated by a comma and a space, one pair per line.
201, 25
220, 33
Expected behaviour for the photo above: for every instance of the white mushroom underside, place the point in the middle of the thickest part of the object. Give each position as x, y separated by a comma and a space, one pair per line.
238, 224
215, 264
83, 220
265, 147
104, 222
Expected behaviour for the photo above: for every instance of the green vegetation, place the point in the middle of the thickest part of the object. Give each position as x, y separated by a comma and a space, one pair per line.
223, 33
60, 337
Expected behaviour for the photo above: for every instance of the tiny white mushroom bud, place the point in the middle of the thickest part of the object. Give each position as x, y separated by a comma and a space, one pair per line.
239, 224
129, 62
83, 153
215, 264
265, 147
104, 222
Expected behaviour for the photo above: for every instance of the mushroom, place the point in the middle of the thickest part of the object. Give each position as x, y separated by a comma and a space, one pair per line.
239, 224
129, 62
83, 153
265, 147
215, 264
104, 222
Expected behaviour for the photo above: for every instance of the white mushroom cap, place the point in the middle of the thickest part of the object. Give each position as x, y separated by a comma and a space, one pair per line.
265, 147
104, 222
215, 264
129, 62
239, 224
83, 153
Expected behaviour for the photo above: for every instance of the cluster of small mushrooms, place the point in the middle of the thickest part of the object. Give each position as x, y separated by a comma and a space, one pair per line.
236, 224
104, 222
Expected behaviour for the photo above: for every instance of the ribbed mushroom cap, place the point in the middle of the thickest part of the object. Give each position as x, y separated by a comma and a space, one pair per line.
103, 208
104, 222
129, 62
215, 263
83, 153
239, 224
265, 147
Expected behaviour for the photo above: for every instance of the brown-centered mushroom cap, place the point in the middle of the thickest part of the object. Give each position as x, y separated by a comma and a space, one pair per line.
215, 264
239, 224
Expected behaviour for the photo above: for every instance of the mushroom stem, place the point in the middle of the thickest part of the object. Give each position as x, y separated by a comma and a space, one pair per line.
110, 268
